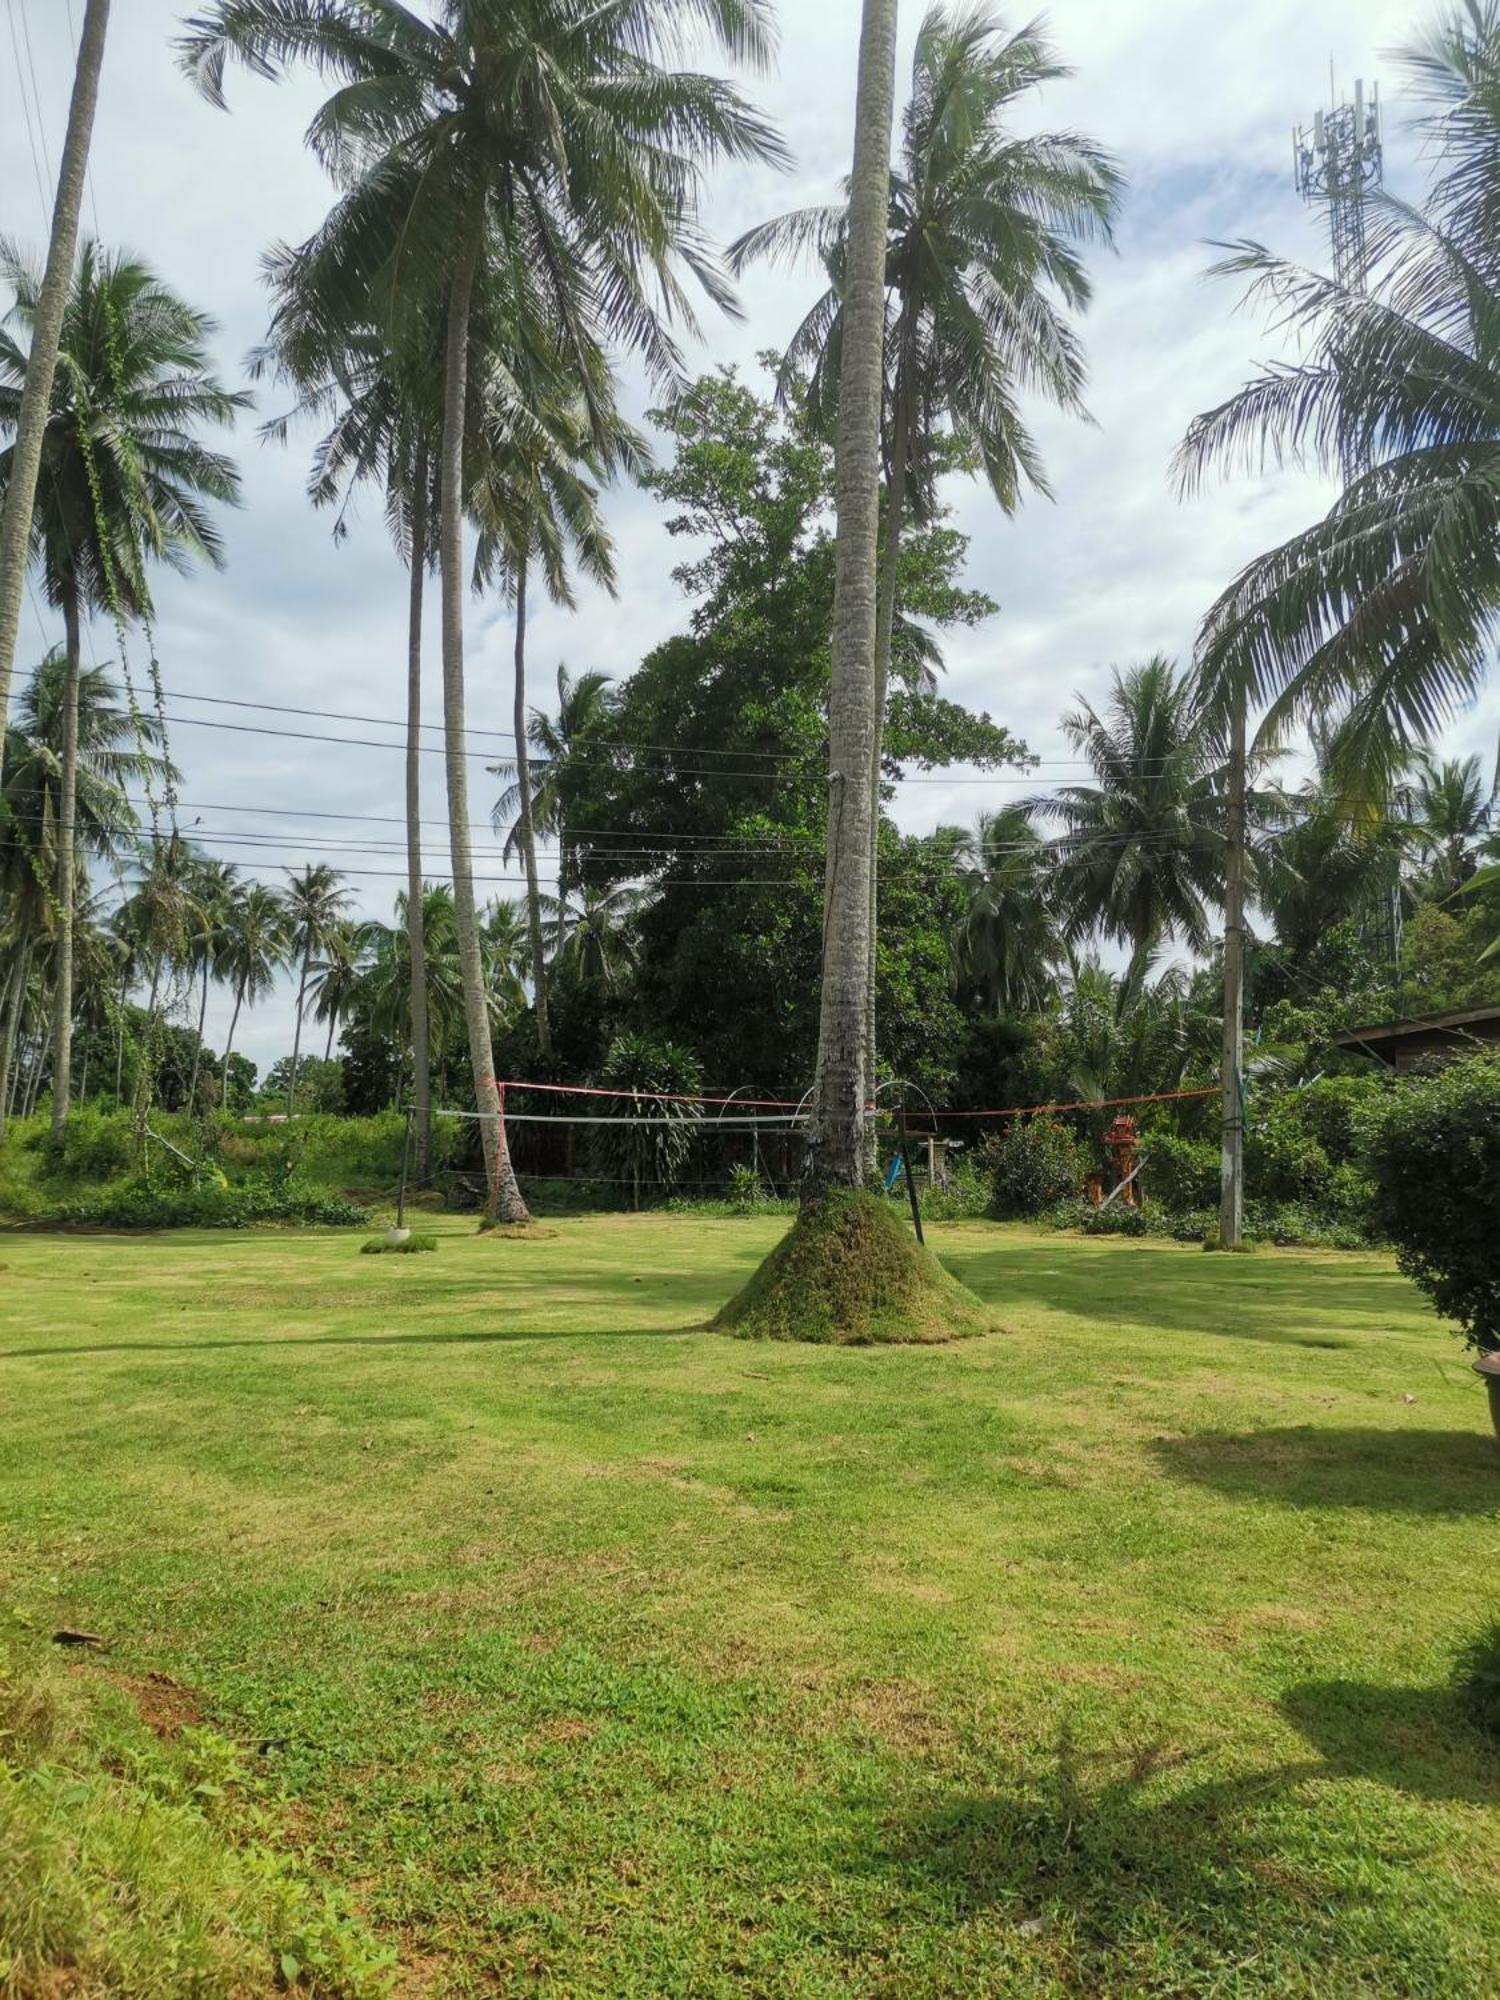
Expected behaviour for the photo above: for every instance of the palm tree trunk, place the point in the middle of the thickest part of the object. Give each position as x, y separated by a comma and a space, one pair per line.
46, 332
38, 1058
503, 1200
291, 1088
1231, 1067
66, 886
198, 1050
234, 1021
885, 625
120, 1041
841, 1080
526, 827
333, 1021
416, 915
14, 1003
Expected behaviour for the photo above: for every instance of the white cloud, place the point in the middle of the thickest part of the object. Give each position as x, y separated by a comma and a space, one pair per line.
1196, 98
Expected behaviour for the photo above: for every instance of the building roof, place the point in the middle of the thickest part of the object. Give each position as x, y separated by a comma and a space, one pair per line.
1459, 1023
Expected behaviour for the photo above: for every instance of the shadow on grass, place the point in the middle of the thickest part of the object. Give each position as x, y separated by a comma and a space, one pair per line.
1398, 1471
1287, 1300
467, 1337
1109, 1859
1414, 1739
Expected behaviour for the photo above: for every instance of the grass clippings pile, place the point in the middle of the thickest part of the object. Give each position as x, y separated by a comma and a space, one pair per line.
849, 1273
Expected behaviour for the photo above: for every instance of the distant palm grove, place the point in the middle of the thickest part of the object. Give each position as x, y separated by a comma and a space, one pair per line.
515, 218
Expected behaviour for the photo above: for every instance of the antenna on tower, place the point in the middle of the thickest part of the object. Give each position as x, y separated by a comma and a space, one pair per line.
1337, 161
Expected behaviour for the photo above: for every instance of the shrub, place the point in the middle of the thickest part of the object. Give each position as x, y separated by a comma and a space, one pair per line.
966, 1196
1180, 1174
95, 1146
658, 1075
144, 1204
1283, 1161
1435, 1156
745, 1189
1032, 1165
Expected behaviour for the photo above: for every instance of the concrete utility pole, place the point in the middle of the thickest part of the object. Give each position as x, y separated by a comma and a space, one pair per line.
46, 332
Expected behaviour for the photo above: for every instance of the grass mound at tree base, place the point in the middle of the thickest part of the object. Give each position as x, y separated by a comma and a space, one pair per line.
849, 1273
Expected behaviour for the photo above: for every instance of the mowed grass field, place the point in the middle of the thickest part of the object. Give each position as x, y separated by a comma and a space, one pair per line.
589, 1652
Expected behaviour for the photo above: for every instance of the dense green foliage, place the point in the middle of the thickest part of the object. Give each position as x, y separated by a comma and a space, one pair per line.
1034, 1164
1436, 1162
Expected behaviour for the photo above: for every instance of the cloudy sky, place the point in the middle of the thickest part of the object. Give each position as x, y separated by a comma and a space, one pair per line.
1195, 98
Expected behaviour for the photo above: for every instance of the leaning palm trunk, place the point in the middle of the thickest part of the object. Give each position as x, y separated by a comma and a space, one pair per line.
10, 1035
291, 1088
416, 937
526, 828
503, 1196
842, 1081
234, 1022
198, 1045
67, 814
41, 363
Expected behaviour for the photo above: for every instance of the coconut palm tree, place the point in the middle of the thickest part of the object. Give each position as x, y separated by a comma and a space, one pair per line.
1451, 809
314, 903
385, 429
562, 745
1008, 946
1142, 854
124, 480
35, 403
597, 931
1385, 612
982, 273
214, 887
334, 976
157, 919
254, 945
111, 756
539, 147
537, 505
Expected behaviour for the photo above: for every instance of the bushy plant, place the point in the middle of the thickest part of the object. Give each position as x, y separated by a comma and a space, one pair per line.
1435, 1157
966, 1196
94, 1146
745, 1189
141, 1203
1031, 1166
1180, 1174
1283, 1161
652, 1077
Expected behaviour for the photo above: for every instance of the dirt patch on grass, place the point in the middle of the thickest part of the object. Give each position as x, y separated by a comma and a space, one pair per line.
565, 1729
901, 1716
164, 1705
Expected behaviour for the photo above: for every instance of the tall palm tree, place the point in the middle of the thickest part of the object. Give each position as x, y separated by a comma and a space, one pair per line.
125, 480
315, 904
334, 977
255, 944
385, 430
562, 744
1452, 811
1142, 855
596, 928
35, 403
111, 756
845, 1081
214, 887
544, 140
538, 505
1009, 945
1385, 611
158, 919
982, 272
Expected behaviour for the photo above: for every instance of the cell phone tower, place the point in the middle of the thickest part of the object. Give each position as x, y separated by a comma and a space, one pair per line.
1338, 161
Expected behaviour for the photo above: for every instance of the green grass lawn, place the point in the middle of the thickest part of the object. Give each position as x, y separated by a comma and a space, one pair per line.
591, 1653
